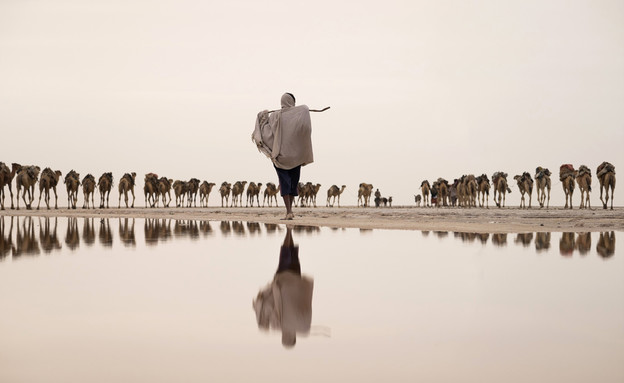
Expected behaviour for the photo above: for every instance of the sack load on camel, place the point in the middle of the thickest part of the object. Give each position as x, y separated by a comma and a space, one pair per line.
604, 168
540, 172
565, 171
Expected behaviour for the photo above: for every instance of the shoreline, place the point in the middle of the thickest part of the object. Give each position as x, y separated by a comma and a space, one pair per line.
479, 220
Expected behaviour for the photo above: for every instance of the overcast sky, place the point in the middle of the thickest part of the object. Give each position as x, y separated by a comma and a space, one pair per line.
417, 89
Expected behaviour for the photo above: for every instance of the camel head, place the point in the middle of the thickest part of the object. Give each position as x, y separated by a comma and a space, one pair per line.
133, 174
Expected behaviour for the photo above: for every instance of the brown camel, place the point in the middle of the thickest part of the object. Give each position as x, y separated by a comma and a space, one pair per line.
499, 181
164, 190
72, 182
49, 179
253, 190
471, 189
567, 174
542, 181
442, 188
452, 191
150, 189
26, 178
88, 189
204, 192
6, 178
270, 193
483, 190
425, 189
237, 193
525, 185
126, 184
314, 189
364, 194
192, 189
334, 192
180, 188
463, 192
606, 177
105, 184
583, 179
303, 190
225, 190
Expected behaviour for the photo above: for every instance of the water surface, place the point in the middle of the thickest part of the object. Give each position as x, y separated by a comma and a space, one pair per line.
139, 300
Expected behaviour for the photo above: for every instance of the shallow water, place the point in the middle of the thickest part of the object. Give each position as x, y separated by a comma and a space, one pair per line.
161, 300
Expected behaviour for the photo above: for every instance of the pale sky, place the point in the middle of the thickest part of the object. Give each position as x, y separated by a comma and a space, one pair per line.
417, 89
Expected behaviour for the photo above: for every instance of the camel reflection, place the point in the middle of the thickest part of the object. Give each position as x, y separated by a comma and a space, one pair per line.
524, 239
48, 239
157, 230
583, 243
286, 303
126, 232
566, 244
25, 241
465, 237
205, 228
6, 239
441, 234
238, 228
72, 236
499, 239
105, 233
606, 244
253, 228
312, 229
271, 227
88, 232
186, 228
483, 237
542, 242
226, 228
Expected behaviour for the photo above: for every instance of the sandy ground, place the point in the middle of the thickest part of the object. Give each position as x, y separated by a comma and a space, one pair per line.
480, 220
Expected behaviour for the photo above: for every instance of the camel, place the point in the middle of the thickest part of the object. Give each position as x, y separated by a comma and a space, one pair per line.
27, 177
126, 184
499, 182
72, 181
253, 190
606, 175
225, 190
334, 192
192, 189
237, 193
583, 179
204, 192
364, 194
471, 189
441, 186
88, 188
463, 197
304, 191
270, 193
452, 191
180, 189
525, 185
49, 179
567, 174
164, 189
150, 189
313, 192
425, 189
542, 181
6, 178
483, 190
105, 184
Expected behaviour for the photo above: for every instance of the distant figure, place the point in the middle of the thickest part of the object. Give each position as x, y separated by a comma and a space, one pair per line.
285, 136
286, 303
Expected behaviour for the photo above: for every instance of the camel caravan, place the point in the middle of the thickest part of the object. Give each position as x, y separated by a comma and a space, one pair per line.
467, 191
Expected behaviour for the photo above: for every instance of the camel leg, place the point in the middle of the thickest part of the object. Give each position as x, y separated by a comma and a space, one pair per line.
133, 197
40, 195
612, 190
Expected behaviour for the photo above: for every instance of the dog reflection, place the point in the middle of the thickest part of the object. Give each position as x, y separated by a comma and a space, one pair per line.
286, 303
566, 244
105, 233
524, 239
126, 232
48, 239
606, 244
72, 236
542, 242
25, 241
88, 232
583, 243
6, 239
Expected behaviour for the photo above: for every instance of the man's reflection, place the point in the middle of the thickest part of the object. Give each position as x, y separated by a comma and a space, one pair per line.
606, 244
286, 303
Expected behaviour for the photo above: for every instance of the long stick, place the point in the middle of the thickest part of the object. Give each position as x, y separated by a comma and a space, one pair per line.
311, 110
